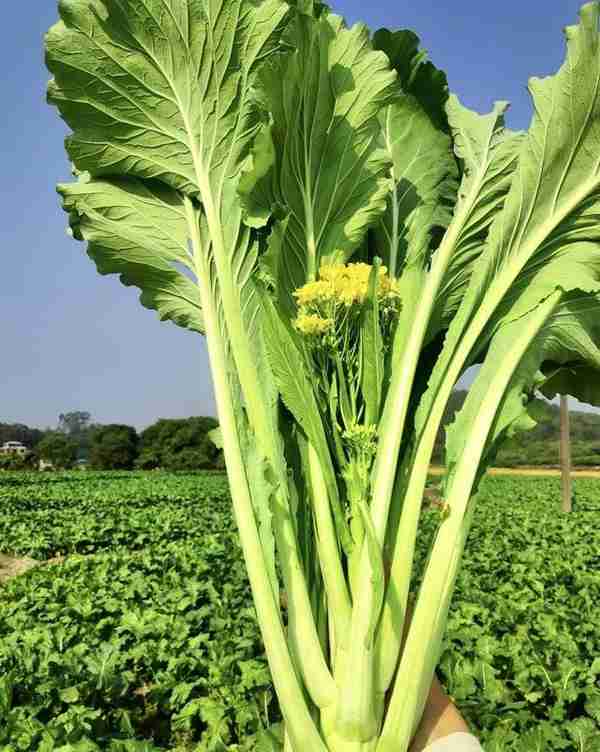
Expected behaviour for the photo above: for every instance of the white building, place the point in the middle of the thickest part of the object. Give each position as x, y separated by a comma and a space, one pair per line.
13, 447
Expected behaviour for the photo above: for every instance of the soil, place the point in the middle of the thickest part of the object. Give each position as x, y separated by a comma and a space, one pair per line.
12, 566
543, 471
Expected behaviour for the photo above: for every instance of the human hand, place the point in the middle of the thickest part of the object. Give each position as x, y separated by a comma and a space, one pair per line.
440, 717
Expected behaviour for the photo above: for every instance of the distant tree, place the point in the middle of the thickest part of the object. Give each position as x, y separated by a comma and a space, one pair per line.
178, 445
113, 447
540, 445
74, 422
20, 432
58, 449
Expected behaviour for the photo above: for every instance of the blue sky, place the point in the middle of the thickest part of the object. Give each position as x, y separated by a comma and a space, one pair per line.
70, 339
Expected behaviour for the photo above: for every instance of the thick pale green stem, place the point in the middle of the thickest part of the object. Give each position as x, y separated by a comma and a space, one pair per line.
424, 638
335, 741
394, 607
315, 671
395, 604
300, 724
412, 327
301, 620
329, 550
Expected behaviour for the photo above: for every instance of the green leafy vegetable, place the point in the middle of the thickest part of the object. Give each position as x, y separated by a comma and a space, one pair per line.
247, 165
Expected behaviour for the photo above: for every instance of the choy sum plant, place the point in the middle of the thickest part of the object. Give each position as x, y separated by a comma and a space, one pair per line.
349, 238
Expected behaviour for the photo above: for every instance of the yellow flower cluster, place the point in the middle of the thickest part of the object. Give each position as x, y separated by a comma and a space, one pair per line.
312, 323
344, 283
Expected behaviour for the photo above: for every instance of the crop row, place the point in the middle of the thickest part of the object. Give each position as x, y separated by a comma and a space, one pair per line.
150, 642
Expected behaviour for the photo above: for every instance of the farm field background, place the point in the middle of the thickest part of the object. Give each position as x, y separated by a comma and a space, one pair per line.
139, 634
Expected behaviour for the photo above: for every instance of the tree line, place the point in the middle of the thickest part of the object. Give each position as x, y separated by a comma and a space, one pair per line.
184, 444
169, 444
539, 445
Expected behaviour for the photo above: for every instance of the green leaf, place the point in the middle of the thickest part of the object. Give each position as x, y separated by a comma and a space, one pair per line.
70, 694
270, 739
549, 214
416, 74
160, 89
572, 354
552, 207
417, 138
138, 230
488, 154
572, 333
329, 176
592, 705
180, 112
6, 693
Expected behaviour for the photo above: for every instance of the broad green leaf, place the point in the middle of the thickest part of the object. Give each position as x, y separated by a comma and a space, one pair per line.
416, 135
160, 89
572, 354
138, 229
578, 380
570, 335
554, 200
69, 695
328, 175
416, 74
549, 212
488, 154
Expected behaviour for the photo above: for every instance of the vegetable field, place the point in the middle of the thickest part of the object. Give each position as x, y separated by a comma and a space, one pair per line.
144, 637
350, 239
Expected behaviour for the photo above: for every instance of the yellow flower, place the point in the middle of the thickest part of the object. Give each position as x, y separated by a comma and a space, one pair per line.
345, 284
330, 272
312, 324
314, 292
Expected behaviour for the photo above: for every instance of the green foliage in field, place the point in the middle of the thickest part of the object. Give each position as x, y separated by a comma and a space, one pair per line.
114, 447
51, 515
149, 643
59, 449
521, 657
181, 444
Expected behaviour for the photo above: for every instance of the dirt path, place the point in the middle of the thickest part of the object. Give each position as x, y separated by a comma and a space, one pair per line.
528, 471
11, 566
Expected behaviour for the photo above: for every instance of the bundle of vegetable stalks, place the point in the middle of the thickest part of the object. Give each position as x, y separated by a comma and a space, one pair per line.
349, 239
